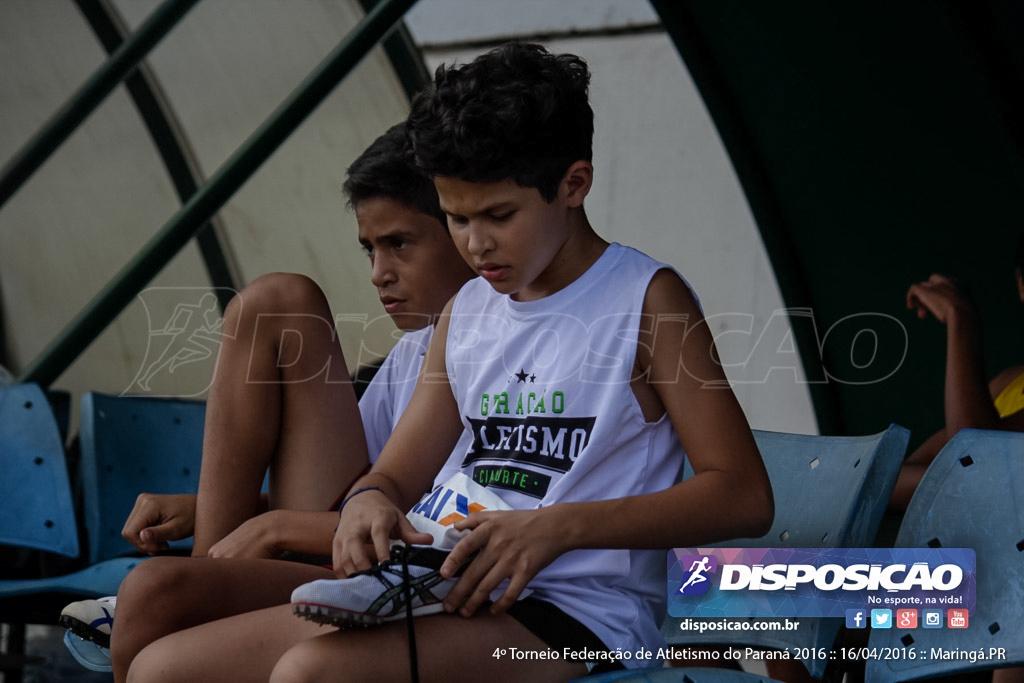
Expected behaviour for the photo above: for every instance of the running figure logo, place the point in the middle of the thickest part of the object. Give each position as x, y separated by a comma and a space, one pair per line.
698, 567
185, 329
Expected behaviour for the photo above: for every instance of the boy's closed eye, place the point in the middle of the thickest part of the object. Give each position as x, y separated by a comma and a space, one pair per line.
493, 217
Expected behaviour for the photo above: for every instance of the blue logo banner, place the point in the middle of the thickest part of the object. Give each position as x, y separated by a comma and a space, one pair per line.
851, 583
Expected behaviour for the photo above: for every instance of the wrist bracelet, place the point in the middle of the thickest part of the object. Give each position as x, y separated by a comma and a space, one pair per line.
354, 494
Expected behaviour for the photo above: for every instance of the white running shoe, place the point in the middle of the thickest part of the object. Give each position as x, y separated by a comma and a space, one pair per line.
379, 594
90, 620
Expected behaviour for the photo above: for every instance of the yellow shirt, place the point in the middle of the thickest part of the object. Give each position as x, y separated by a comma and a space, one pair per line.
1011, 399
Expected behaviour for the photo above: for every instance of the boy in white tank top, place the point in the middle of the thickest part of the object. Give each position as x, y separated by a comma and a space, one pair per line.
582, 371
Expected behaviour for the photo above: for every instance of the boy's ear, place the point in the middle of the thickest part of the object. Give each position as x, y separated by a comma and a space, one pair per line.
577, 182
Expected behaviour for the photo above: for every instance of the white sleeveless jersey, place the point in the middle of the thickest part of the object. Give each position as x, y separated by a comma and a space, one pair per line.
387, 395
543, 388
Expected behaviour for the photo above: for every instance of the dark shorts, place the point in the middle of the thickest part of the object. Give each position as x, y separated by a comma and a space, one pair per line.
559, 631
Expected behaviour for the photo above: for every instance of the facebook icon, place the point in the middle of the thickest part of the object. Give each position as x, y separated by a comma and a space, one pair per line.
856, 618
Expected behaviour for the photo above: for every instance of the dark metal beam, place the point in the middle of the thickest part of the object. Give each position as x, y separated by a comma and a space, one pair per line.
66, 120
171, 143
159, 251
404, 55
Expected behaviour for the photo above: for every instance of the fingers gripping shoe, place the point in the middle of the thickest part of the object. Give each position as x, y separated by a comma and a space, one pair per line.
379, 594
90, 619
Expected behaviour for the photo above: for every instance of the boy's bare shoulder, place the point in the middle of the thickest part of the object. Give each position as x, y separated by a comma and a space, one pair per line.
667, 293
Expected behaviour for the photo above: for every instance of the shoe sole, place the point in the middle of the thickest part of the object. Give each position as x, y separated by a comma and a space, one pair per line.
87, 653
85, 631
332, 616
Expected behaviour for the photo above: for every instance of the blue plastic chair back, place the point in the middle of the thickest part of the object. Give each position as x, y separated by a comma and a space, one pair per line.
36, 507
971, 496
830, 491
131, 445
95, 581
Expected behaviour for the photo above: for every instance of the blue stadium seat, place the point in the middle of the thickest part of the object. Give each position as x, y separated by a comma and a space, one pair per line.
37, 513
130, 445
829, 492
972, 496
36, 507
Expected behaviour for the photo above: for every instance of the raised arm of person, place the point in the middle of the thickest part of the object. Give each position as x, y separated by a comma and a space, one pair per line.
729, 496
968, 402
968, 399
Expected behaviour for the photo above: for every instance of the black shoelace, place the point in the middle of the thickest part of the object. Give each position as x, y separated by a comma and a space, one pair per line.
410, 627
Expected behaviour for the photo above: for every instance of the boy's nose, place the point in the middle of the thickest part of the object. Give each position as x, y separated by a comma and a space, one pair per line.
382, 273
480, 241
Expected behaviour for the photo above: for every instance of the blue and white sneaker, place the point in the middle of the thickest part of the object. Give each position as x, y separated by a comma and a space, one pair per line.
90, 620
379, 594
90, 655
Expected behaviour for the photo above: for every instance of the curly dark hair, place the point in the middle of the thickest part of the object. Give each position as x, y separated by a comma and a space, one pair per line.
516, 112
386, 169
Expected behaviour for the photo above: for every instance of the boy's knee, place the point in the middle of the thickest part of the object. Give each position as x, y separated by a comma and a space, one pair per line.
157, 579
320, 659
278, 294
155, 664
295, 666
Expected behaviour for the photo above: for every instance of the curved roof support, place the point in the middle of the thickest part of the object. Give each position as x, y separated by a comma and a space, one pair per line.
684, 31
66, 120
222, 185
171, 143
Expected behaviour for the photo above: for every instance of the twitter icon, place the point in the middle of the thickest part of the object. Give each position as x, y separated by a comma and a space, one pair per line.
881, 618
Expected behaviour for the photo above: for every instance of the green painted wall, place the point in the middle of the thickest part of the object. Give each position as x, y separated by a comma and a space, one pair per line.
877, 143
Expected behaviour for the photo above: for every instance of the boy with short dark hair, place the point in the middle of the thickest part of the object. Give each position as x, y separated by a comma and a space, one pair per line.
581, 369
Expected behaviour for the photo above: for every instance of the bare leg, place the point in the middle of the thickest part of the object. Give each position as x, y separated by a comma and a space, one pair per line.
236, 649
449, 648
281, 400
167, 594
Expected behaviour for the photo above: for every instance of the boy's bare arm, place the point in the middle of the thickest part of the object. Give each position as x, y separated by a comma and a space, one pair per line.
729, 495
967, 398
269, 534
415, 452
